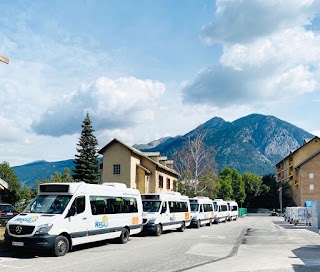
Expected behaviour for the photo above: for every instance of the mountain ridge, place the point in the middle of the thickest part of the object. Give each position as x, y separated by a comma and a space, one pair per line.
253, 143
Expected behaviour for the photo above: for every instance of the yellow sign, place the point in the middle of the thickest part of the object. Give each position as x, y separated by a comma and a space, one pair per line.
186, 216
135, 220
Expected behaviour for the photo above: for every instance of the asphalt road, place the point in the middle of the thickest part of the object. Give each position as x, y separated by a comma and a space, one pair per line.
253, 243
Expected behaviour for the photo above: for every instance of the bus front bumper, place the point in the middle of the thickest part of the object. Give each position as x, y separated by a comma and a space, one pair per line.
38, 241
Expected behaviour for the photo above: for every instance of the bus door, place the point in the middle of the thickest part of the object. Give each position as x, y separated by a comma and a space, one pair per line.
77, 220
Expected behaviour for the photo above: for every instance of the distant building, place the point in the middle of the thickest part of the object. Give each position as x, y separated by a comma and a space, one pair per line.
301, 168
146, 171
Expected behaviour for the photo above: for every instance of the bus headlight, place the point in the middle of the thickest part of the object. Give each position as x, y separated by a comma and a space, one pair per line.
194, 217
43, 229
151, 220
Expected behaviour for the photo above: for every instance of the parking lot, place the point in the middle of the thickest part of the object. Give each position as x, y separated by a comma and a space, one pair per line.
252, 243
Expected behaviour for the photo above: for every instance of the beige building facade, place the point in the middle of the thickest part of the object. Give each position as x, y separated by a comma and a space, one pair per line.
147, 172
301, 168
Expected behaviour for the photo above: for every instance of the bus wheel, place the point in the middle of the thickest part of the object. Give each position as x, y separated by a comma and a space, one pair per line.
158, 231
198, 224
61, 246
210, 223
183, 227
124, 237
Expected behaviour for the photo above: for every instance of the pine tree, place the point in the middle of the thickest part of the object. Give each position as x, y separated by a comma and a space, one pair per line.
86, 162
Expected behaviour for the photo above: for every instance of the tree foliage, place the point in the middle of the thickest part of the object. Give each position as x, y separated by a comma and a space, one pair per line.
8, 175
230, 175
254, 186
58, 177
86, 162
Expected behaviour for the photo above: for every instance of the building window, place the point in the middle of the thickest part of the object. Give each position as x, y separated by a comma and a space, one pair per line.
116, 169
168, 184
174, 185
311, 187
311, 175
160, 181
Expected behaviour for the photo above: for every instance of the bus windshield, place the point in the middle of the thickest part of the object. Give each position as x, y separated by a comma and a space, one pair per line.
215, 208
51, 204
151, 206
194, 207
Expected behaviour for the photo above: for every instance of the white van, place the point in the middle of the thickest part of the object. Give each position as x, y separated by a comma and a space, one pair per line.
201, 211
165, 211
68, 214
232, 210
220, 211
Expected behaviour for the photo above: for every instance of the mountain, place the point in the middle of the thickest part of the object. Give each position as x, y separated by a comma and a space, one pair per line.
253, 143
159, 142
29, 173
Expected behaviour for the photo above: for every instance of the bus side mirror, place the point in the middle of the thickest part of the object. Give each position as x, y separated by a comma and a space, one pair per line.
72, 211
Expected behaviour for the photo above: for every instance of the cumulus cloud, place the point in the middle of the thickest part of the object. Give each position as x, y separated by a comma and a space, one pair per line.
111, 103
241, 21
267, 51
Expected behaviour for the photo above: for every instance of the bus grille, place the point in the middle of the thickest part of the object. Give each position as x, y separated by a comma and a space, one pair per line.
20, 230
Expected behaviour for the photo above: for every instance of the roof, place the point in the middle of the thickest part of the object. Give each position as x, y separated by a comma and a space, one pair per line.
139, 153
307, 159
305, 142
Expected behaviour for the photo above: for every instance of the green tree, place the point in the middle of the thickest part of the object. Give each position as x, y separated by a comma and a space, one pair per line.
270, 199
237, 184
225, 188
254, 186
8, 175
58, 177
86, 162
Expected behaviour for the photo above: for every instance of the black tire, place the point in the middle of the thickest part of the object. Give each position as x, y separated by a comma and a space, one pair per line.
124, 237
61, 246
183, 227
210, 223
198, 225
158, 231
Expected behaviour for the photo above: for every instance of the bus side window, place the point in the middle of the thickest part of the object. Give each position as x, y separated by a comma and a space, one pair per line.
80, 204
164, 207
201, 208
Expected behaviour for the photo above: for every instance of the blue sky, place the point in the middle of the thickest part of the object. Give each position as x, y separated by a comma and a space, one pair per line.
149, 69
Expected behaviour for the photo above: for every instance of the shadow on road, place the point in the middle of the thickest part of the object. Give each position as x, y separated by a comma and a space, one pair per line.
287, 225
309, 255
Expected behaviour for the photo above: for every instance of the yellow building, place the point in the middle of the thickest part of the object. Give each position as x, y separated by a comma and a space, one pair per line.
301, 168
148, 172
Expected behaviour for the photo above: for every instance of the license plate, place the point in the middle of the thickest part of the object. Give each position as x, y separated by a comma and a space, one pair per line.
17, 243
9, 213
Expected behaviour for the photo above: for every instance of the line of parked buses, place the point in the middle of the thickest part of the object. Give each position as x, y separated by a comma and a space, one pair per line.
64, 215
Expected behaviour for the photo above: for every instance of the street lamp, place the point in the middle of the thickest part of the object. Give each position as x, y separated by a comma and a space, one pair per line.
4, 59
280, 197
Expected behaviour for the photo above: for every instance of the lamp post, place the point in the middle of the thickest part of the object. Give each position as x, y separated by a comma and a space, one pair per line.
280, 197
4, 59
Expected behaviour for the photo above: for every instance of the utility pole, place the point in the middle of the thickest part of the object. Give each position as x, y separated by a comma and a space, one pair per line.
280, 197
4, 59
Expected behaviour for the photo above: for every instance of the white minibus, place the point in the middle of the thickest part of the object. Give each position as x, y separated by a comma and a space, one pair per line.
68, 214
232, 210
220, 211
165, 211
201, 211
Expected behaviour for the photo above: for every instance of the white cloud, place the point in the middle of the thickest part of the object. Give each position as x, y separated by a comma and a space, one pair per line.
275, 57
281, 50
242, 21
111, 103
